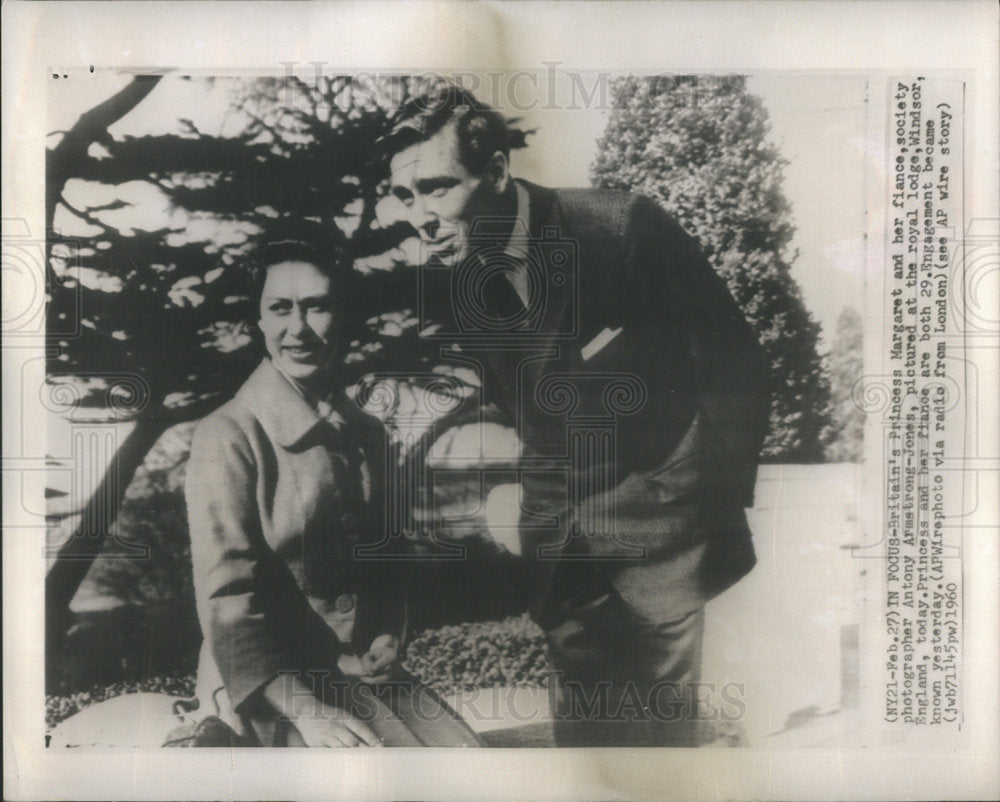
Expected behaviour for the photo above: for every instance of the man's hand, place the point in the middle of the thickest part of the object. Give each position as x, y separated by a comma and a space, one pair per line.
503, 516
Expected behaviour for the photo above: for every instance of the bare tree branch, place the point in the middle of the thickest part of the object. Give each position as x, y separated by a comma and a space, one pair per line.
92, 126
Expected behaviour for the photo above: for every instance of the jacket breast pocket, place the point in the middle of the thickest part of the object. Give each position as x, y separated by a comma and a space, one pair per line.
604, 349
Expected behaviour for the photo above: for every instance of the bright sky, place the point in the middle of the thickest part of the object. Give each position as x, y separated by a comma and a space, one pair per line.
818, 121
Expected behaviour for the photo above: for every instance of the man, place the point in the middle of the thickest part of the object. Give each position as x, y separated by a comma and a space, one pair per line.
640, 395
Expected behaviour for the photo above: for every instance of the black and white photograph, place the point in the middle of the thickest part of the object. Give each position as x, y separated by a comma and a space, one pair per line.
496, 402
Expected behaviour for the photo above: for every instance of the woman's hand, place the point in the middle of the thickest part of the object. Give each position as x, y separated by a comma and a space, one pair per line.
350, 665
317, 723
376, 664
380, 658
330, 726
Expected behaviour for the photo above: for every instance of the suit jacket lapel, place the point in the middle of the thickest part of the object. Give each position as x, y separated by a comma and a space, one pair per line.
559, 278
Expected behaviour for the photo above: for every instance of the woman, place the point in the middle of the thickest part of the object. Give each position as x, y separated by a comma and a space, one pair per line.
302, 640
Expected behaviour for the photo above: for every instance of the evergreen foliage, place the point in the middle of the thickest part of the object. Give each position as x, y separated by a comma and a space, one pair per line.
846, 362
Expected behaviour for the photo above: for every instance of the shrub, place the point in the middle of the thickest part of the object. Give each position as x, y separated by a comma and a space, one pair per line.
59, 708
490, 654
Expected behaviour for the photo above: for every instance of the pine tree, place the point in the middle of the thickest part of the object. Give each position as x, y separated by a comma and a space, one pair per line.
698, 145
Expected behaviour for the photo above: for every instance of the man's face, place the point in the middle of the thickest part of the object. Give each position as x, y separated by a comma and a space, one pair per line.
441, 197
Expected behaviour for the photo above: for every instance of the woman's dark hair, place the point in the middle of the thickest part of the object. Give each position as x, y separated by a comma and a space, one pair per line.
298, 240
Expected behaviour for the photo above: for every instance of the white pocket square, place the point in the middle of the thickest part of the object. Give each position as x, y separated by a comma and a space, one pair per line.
605, 336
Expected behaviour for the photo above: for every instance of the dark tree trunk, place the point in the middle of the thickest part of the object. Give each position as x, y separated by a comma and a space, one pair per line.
78, 553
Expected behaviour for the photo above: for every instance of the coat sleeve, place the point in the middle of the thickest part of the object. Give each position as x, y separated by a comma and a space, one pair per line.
248, 603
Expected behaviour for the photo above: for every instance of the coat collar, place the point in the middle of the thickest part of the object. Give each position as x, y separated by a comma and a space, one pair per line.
284, 414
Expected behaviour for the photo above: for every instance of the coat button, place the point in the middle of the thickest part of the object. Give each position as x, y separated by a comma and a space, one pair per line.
349, 522
344, 603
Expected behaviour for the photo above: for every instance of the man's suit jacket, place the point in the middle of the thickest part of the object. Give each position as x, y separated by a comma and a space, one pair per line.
647, 341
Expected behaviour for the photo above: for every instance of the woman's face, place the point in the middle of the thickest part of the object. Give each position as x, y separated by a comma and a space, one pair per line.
300, 324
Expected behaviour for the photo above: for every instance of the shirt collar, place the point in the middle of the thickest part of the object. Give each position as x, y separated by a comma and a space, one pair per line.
520, 236
519, 244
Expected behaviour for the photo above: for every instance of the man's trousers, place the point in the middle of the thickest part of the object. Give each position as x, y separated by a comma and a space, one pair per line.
619, 679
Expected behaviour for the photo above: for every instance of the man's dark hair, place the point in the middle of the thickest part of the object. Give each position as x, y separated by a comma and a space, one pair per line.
481, 130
